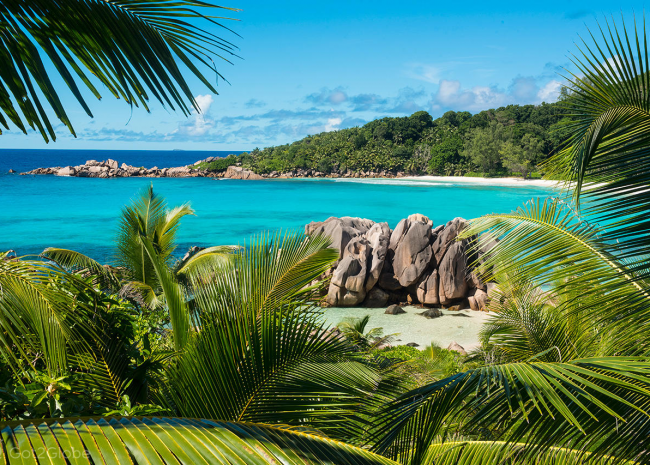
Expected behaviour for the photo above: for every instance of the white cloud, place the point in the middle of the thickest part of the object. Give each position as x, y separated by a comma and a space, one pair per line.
198, 124
328, 97
451, 95
522, 90
333, 124
550, 92
204, 102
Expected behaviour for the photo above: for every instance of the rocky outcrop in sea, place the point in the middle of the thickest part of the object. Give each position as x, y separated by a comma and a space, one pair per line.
113, 169
415, 263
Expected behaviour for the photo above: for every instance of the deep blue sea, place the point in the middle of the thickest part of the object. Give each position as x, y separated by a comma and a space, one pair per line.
82, 213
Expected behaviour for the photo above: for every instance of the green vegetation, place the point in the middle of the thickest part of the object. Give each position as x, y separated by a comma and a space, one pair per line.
220, 164
223, 357
354, 330
504, 141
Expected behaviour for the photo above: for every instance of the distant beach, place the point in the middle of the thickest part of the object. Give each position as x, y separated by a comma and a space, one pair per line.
509, 182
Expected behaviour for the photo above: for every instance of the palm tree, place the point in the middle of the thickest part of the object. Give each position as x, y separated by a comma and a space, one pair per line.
132, 48
148, 217
354, 330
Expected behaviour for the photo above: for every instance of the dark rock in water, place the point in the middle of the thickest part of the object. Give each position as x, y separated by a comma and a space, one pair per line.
431, 313
12, 171
191, 252
394, 310
376, 298
456, 347
413, 344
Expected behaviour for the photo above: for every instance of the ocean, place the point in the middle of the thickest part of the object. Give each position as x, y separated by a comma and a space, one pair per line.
82, 213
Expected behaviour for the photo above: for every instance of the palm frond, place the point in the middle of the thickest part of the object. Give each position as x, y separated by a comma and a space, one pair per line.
207, 261
598, 404
545, 243
105, 369
458, 451
132, 47
608, 153
175, 298
164, 232
261, 352
75, 261
39, 314
148, 216
147, 440
527, 322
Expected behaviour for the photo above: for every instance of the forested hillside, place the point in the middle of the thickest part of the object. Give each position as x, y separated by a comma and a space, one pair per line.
507, 140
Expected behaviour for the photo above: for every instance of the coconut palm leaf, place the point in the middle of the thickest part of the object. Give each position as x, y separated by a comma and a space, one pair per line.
261, 352
598, 404
175, 298
106, 368
39, 314
132, 47
152, 440
458, 451
207, 260
545, 243
527, 322
75, 262
608, 153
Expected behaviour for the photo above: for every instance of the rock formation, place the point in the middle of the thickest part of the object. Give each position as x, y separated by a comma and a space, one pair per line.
115, 170
112, 169
339, 230
359, 267
410, 246
415, 263
456, 347
237, 172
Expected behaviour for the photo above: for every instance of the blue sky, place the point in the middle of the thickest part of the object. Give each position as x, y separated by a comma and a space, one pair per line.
309, 67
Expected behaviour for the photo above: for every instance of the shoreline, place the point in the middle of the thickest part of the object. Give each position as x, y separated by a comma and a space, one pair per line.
113, 169
446, 180
243, 174
507, 181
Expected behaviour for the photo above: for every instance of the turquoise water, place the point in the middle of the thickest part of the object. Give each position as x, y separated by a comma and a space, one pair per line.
81, 213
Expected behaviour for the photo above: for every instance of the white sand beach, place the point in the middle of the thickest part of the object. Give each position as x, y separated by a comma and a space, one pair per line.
510, 182
461, 326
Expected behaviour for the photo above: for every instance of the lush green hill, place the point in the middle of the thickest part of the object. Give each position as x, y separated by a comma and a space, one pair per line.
510, 139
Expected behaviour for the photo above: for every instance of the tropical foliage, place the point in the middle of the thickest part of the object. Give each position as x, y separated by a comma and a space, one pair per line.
235, 336
134, 49
184, 441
